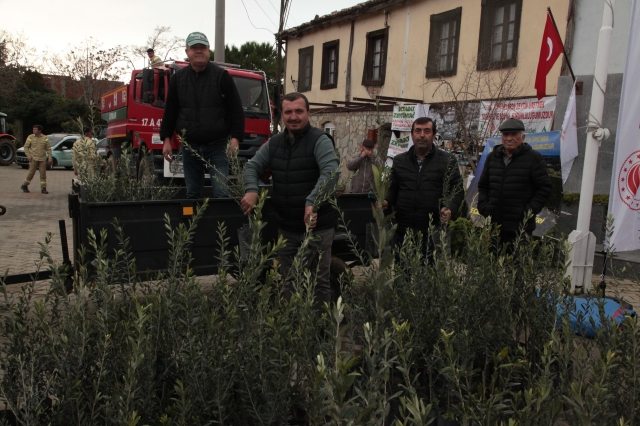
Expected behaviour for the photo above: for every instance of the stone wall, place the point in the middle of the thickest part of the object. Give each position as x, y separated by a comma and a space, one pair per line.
351, 129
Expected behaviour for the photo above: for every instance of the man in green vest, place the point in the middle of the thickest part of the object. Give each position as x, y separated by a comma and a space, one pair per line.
37, 148
302, 159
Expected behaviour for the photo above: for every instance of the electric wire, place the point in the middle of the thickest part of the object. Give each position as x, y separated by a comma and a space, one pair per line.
249, 18
265, 13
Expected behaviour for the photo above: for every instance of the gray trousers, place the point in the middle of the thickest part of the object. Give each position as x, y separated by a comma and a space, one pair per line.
288, 252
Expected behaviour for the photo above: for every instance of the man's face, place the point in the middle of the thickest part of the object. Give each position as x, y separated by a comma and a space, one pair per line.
295, 114
150, 53
512, 140
37, 131
423, 135
198, 54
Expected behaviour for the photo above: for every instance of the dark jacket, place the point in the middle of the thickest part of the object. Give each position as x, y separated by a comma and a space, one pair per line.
506, 192
417, 193
206, 104
295, 173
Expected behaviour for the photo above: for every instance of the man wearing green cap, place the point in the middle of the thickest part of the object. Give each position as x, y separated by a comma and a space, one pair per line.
203, 101
513, 183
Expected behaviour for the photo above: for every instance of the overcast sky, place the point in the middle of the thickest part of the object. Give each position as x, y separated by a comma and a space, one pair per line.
53, 26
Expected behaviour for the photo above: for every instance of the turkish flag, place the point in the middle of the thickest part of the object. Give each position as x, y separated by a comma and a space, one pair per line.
549, 51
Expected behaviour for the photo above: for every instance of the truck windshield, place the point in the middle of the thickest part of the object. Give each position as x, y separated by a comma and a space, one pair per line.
253, 94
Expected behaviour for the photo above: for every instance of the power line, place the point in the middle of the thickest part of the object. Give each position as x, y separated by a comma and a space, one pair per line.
248, 17
265, 13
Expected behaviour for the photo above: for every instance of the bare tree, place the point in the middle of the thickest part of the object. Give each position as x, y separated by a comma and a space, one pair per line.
89, 69
164, 44
16, 56
461, 103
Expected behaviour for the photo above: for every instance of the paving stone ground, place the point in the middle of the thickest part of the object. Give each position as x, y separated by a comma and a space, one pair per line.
30, 216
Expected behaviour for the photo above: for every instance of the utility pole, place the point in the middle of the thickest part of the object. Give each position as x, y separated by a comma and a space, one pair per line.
583, 242
278, 90
218, 53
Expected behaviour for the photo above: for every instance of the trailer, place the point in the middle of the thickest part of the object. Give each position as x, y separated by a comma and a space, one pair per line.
144, 225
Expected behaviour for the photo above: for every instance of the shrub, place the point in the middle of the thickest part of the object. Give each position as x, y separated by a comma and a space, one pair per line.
475, 342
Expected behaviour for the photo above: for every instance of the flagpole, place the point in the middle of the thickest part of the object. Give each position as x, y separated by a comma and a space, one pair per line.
564, 52
581, 240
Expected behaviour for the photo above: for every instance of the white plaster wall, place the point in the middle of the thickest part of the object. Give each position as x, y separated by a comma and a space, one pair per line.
587, 31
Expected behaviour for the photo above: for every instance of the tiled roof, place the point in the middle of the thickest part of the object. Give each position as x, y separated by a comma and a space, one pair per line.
339, 16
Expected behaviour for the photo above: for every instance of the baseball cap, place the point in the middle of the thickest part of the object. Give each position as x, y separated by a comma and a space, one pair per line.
197, 38
368, 143
512, 125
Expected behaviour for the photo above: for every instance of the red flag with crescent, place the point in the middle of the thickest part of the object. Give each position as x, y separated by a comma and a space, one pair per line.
549, 51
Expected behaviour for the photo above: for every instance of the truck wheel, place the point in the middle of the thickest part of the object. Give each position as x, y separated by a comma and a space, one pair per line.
338, 267
7, 151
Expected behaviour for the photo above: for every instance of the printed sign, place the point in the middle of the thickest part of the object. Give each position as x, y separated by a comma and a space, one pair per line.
155, 139
399, 145
405, 115
537, 115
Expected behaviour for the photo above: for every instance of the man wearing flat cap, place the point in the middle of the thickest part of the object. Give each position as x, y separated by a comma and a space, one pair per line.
514, 181
203, 101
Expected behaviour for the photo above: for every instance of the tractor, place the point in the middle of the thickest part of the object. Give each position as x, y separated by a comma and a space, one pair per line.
7, 143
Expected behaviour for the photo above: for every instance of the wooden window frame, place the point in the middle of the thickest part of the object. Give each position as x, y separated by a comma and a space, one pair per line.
367, 73
489, 8
326, 49
435, 31
301, 54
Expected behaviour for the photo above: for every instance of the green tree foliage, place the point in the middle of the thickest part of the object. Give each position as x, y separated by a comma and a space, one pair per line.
254, 56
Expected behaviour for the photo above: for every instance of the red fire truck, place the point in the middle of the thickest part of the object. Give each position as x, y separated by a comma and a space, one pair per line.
134, 113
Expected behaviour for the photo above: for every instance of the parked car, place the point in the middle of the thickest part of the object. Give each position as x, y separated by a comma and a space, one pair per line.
61, 146
103, 148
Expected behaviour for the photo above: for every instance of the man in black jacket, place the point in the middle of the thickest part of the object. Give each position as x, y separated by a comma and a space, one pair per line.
304, 167
203, 100
513, 183
426, 187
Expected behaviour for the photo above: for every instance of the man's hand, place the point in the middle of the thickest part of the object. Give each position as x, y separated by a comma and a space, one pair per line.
445, 215
249, 200
50, 161
30, 159
310, 217
385, 205
167, 152
234, 145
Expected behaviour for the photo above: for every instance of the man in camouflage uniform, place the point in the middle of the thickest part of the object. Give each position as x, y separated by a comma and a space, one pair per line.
85, 155
37, 148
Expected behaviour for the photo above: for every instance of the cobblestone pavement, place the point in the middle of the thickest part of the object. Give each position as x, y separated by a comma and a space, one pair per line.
30, 216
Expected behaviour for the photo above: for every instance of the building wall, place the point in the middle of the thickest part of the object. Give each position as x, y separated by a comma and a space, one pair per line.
407, 50
588, 21
351, 129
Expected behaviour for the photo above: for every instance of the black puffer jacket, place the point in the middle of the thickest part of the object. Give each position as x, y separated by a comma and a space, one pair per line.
206, 104
417, 193
506, 192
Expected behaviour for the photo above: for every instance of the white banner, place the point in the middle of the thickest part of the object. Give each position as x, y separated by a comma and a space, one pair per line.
405, 115
569, 137
624, 197
537, 115
399, 145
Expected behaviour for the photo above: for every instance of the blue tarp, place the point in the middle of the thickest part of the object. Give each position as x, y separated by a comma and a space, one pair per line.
585, 316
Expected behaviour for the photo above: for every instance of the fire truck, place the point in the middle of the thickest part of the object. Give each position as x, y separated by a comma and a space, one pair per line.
133, 113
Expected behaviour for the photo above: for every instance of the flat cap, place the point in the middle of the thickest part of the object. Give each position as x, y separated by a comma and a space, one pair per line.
511, 125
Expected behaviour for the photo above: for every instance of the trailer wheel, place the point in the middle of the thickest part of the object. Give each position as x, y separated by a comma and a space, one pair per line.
7, 151
338, 267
